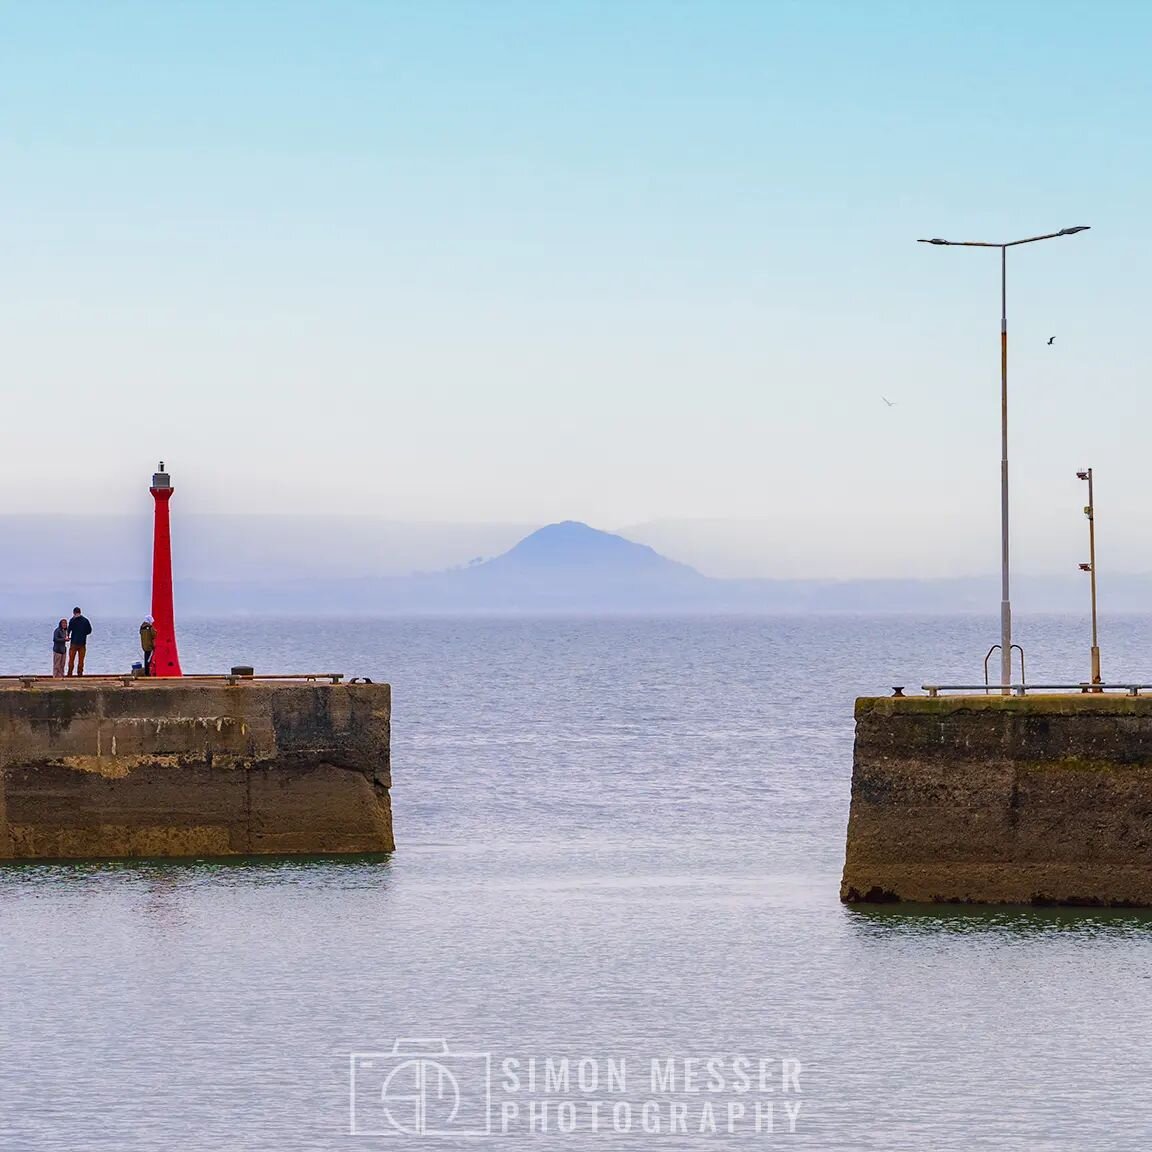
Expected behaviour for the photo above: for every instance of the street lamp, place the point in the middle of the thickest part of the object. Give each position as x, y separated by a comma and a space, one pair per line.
1090, 567
1005, 598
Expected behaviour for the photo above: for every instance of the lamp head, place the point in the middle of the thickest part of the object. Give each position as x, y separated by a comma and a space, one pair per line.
1081, 475
1073, 231
937, 240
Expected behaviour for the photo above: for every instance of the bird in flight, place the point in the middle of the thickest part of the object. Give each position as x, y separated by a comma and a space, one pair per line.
890, 403
1050, 339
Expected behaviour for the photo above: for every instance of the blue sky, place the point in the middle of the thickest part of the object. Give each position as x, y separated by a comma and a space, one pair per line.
609, 261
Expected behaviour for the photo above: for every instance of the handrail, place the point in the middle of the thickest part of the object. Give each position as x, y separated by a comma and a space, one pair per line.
1023, 689
215, 677
1000, 648
335, 677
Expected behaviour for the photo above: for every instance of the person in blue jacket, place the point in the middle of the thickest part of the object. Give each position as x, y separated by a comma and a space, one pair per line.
79, 629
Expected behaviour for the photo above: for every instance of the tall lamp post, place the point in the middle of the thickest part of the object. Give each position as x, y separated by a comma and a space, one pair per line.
1005, 597
1090, 568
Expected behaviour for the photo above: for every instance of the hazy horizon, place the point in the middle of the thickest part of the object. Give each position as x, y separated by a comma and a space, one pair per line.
255, 566
231, 546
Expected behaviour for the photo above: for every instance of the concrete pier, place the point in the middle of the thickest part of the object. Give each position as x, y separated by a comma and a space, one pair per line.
193, 768
1002, 799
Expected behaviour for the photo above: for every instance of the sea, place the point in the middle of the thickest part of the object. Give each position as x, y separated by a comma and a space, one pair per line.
611, 919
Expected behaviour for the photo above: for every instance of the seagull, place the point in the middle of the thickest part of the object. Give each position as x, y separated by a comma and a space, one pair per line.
1050, 339
888, 402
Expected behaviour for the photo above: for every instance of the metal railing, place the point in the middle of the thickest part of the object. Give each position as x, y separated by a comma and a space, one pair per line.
209, 677
1024, 689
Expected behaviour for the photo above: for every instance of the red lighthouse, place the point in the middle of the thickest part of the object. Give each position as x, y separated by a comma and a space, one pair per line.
166, 660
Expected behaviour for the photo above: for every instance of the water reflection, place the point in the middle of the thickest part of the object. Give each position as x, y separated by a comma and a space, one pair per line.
879, 922
372, 869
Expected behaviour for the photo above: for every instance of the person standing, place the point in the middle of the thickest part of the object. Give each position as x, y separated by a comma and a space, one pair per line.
148, 643
79, 629
59, 648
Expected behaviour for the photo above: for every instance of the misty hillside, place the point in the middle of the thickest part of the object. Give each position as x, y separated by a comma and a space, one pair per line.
572, 545
564, 567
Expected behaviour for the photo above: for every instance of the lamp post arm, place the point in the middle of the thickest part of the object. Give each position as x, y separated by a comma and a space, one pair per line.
1033, 239
963, 243
1008, 243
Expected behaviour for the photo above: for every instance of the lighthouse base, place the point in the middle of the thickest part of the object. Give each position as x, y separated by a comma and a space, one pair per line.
185, 768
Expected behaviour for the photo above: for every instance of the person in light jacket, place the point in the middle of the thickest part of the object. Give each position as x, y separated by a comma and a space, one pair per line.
148, 643
59, 647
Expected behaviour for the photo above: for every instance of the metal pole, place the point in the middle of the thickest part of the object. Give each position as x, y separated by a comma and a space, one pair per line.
1092, 561
1005, 597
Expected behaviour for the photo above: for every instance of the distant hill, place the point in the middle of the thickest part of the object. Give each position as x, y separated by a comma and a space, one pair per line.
571, 545
564, 567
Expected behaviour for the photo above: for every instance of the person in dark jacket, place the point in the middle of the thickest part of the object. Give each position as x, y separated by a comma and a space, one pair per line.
79, 629
59, 647
148, 643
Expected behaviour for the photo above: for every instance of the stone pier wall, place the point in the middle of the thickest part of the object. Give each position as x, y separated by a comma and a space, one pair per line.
994, 799
187, 768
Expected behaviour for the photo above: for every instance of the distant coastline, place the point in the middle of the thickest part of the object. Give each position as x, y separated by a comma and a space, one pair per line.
567, 568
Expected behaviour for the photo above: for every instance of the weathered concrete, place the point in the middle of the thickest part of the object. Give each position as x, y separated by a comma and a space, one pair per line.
186, 768
994, 799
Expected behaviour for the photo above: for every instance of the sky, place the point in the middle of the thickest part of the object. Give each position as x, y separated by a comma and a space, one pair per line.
623, 262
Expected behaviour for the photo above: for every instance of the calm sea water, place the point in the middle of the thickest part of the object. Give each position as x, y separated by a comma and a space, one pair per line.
618, 840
